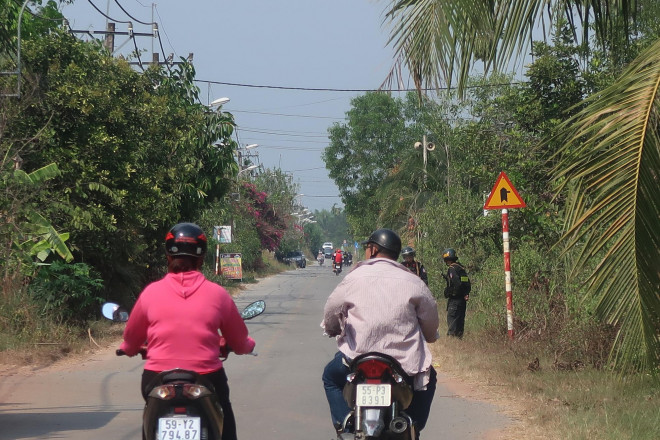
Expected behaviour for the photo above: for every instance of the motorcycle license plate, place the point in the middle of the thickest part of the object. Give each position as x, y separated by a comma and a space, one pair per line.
373, 395
179, 428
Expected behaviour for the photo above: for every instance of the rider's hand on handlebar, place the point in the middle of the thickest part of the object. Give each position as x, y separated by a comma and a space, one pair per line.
142, 352
224, 348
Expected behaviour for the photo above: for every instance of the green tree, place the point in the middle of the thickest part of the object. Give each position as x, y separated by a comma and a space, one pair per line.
333, 224
362, 152
137, 153
441, 41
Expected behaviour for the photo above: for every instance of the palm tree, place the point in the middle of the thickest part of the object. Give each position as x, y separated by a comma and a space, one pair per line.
611, 160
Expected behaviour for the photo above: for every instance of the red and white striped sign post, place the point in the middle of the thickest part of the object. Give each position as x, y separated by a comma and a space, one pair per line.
507, 272
504, 196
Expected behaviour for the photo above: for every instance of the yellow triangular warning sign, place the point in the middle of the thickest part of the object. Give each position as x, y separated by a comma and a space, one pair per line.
504, 195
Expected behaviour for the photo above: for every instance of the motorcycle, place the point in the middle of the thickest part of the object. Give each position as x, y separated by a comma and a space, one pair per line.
336, 268
320, 259
181, 403
377, 394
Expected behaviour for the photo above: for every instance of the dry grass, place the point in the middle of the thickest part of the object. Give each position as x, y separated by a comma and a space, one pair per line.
66, 343
550, 400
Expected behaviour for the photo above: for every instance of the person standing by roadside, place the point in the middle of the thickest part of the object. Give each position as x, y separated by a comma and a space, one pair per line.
415, 267
457, 293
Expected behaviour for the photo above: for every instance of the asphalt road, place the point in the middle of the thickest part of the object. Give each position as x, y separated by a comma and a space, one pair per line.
276, 395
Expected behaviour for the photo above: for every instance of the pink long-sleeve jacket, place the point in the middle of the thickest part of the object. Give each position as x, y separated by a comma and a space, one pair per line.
179, 317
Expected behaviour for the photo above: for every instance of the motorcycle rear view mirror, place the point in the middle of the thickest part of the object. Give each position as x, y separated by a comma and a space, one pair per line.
254, 309
114, 312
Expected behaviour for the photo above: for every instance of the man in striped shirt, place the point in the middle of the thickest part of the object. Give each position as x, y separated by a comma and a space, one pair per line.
382, 306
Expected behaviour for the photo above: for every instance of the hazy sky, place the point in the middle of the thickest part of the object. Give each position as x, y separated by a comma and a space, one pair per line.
275, 45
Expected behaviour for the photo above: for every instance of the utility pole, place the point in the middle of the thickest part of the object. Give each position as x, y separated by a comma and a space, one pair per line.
110, 37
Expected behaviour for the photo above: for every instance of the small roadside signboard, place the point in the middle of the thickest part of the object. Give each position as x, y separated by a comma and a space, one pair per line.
231, 266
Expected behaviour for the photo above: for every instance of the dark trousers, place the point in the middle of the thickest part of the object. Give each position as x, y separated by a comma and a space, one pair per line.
334, 379
456, 316
219, 381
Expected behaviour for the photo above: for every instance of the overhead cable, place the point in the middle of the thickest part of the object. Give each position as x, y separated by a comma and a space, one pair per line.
134, 19
106, 16
327, 89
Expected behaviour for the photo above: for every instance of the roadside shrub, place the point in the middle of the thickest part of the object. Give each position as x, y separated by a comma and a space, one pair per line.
67, 292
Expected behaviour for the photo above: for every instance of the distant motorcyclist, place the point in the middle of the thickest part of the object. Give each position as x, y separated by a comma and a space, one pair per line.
320, 258
338, 258
408, 254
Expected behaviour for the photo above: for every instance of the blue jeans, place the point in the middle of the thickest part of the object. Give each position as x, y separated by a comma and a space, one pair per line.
334, 379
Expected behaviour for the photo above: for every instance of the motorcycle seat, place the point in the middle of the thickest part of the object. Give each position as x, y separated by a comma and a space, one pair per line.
178, 375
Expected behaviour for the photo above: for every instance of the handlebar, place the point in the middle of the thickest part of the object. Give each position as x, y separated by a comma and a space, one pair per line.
224, 352
142, 352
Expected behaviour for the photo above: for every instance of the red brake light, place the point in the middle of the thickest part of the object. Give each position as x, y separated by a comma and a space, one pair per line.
180, 410
373, 369
163, 392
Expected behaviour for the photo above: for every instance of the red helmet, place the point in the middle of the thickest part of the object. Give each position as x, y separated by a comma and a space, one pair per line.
185, 239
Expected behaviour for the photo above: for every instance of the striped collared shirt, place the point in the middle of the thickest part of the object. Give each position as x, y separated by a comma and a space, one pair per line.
382, 306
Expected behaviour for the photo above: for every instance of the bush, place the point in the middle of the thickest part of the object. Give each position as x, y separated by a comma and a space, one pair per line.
67, 292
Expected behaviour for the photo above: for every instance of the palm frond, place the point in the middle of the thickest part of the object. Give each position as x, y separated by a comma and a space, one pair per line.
442, 41
611, 168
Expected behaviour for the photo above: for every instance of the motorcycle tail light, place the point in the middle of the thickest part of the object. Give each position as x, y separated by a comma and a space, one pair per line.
373, 369
180, 410
163, 392
193, 391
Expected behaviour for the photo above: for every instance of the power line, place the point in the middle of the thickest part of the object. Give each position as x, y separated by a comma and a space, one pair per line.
260, 139
306, 169
284, 114
106, 16
280, 134
276, 147
328, 89
135, 19
164, 31
302, 133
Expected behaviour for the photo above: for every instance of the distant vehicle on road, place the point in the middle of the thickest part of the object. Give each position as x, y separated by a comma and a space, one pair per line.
297, 258
328, 249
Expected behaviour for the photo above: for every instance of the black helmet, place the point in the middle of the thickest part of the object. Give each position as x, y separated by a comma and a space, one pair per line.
408, 251
387, 239
185, 239
449, 254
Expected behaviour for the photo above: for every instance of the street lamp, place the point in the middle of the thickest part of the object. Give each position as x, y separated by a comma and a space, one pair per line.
251, 146
250, 168
219, 102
